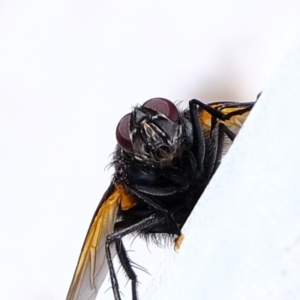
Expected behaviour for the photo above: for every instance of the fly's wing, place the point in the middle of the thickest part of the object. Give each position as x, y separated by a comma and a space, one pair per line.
92, 266
235, 112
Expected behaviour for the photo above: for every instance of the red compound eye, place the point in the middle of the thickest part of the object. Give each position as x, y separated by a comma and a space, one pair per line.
122, 133
163, 106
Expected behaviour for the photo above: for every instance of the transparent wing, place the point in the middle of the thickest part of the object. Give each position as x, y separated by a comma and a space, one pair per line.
92, 266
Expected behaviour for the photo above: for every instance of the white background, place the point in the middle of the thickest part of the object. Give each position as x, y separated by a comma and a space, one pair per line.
69, 70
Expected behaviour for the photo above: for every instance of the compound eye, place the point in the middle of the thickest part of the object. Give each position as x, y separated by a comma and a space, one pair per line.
163, 106
122, 133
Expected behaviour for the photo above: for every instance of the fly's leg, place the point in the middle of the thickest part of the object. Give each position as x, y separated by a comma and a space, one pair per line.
231, 135
200, 147
198, 137
214, 112
125, 262
157, 207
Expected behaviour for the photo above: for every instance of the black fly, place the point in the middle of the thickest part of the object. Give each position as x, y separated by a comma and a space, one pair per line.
164, 160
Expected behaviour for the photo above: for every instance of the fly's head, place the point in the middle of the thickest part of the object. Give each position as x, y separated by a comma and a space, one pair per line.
152, 133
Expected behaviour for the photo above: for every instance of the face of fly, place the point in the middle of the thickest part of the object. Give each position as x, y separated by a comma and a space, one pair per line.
152, 133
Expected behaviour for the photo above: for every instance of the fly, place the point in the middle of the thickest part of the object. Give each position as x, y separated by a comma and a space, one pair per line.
164, 159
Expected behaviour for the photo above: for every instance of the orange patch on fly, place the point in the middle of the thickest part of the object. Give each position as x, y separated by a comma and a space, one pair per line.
178, 241
205, 118
126, 201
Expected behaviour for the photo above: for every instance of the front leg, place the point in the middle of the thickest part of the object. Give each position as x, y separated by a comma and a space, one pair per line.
198, 147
